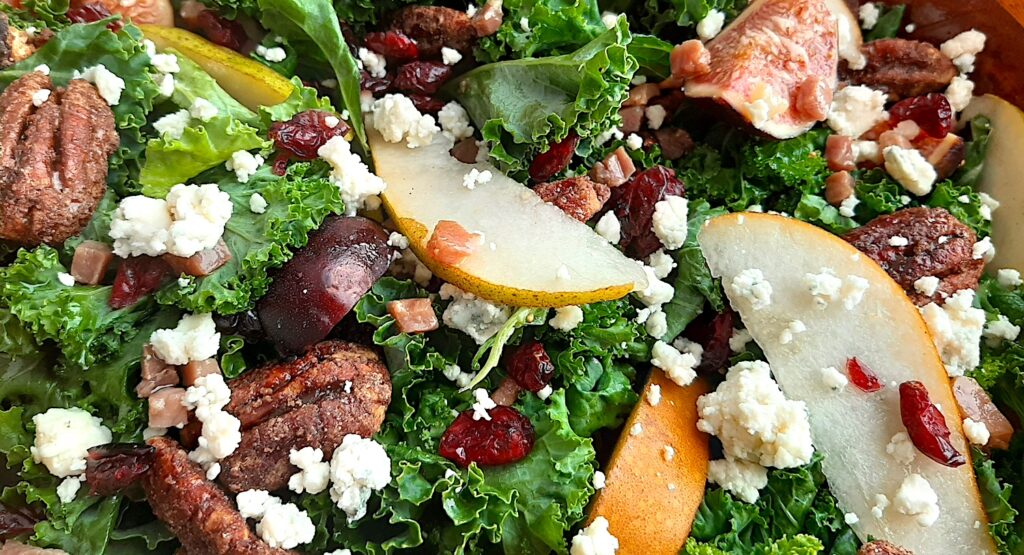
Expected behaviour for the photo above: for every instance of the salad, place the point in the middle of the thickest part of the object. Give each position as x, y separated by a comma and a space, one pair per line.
521, 277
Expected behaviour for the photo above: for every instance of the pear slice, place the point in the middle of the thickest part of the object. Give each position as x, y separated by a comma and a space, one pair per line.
533, 253
641, 478
850, 38
1000, 177
851, 427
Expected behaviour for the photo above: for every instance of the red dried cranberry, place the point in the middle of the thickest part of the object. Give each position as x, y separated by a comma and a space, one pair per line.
555, 159
426, 104
530, 366
931, 112
395, 45
304, 134
280, 166
926, 426
713, 331
422, 77
137, 277
862, 376
218, 30
634, 207
16, 521
89, 13
506, 438
112, 468
376, 85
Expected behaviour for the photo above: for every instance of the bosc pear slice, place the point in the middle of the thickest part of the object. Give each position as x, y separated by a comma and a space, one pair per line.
533, 253
849, 426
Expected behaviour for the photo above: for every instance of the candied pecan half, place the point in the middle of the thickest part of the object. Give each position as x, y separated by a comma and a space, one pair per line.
880, 547
53, 159
938, 245
433, 27
579, 197
202, 517
903, 68
335, 389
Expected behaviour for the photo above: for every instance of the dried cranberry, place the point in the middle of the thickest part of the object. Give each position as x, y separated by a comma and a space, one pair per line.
530, 366
422, 77
862, 376
506, 438
16, 521
555, 159
111, 468
304, 134
376, 85
926, 426
137, 277
426, 104
395, 45
218, 30
89, 13
713, 331
634, 206
931, 112
280, 165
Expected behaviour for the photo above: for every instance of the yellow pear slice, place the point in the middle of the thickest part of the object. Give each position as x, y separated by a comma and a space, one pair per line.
849, 426
248, 81
642, 480
1001, 176
533, 253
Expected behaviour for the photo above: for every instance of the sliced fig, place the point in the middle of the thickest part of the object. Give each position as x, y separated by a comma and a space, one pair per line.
777, 59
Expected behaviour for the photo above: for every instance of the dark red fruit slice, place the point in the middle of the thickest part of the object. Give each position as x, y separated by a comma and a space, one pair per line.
112, 468
317, 288
304, 134
931, 112
137, 277
216, 29
530, 366
506, 438
926, 426
395, 45
555, 159
16, 521
862, 376
422, 77
713, 331
89, 13
427, 104
633, 204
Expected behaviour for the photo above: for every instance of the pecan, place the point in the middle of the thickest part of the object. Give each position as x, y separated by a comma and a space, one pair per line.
579, 197
335, 389
53, 159
881, 548
938, 245
903, 68
15, 44
433, 27
194, 508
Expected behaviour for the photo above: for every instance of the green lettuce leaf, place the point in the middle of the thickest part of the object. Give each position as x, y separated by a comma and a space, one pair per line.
301, 99
652, 54
194, 82
693, 283
889, 22
553, 27
522, 106
676, 18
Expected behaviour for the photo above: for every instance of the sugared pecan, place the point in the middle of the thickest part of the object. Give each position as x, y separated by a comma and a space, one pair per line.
903, 68
53, 159
194, 508
15, 44
433, 27
938, 245
336, 389
579, 197
880, 547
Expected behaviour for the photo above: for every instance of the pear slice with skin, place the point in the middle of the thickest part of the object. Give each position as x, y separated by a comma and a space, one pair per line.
1000, 176
533, 254
849, 426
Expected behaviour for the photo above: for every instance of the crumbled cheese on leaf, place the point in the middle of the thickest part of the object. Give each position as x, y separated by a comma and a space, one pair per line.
194, 338
359, 467
956, 328
63, 438
743, 479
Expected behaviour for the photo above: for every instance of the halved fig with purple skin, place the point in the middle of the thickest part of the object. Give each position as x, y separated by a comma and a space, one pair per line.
774, 66
112, 468
317, 288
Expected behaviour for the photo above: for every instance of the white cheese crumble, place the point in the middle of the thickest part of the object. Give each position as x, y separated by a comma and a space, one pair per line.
851, 518
173, 125
910, 169
450, 56
165, 84
600, 480
901, 448
679, 367
824, 287
636, 429
662, 263
668, 452
869, 15
999, 330
657, 323
455, 121
203, 110
743, 479
634, 141
977, 432
194, 338
833, 378
956, 328
471, 315
739, 339
751, 286
276, 54
244, 164
198, 216
314, 473
988, 205
791, 330
595, 539
848, 207
483, 404
654, 395
710, 25
109, 85
545, 392
916, 498
285, 526
397, 119
42, 68
754, 420
964, 48
927, 285
476, 177
656, 115
66, 279
398, 241
959, 92
609, 19
355, 181
40, 96
853, 291
63, 438
257, 204
855, 109
609, 228
253, 503
566, 318
359, 466
983, 250
669, 221
1009, 278
881, 503
221, 431
374, 63
657, 292
68, 488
